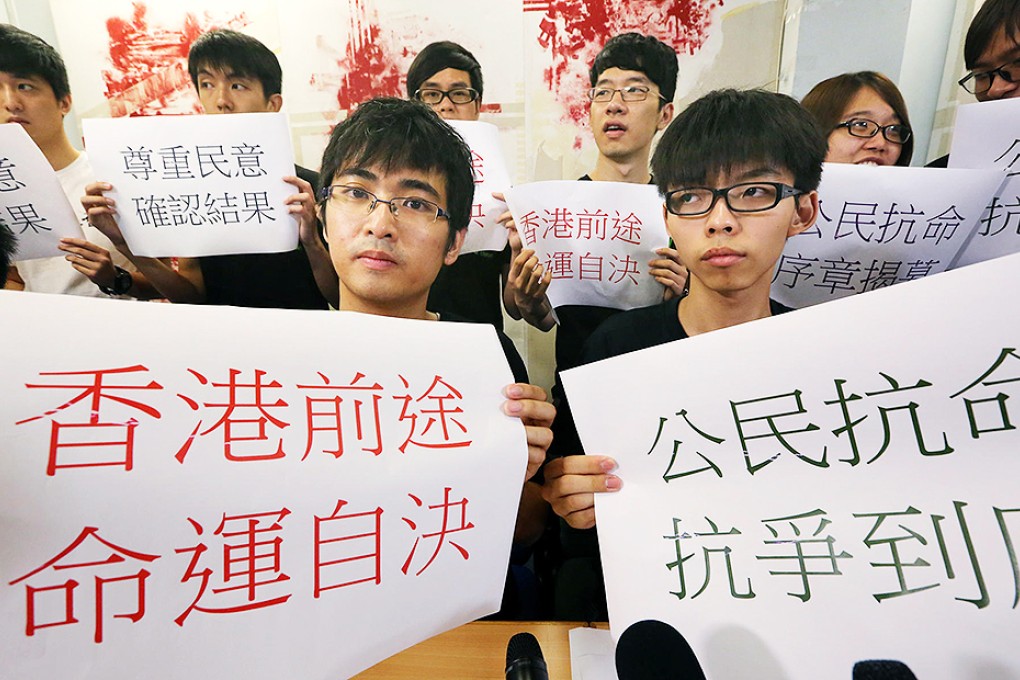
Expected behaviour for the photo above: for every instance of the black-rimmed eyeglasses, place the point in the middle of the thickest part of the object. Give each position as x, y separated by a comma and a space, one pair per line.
354, 200
460, 95
746, 197
896, 133
979, 82
632, 93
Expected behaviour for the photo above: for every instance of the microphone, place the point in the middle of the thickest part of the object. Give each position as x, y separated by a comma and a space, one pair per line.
882, 669
653, 650
524, 660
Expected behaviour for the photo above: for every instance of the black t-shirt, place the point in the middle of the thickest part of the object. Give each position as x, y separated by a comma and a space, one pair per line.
472, 287
277, 280
577, 323
642, 328
628, 331
513, 358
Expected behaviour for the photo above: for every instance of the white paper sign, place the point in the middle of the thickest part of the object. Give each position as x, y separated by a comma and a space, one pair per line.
596, 238
880, 226
32, 203
193, 500
189, 186
987, 135
592, 654
491, 175
843, 490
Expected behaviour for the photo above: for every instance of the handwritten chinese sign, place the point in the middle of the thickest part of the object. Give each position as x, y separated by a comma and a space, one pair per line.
491, 175
880, 226
845, 491
189, 186
32, 203
595, 238
987, 135
173, 509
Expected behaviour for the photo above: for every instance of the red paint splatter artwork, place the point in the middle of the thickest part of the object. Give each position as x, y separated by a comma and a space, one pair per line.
574, 31
370, 66
149, 63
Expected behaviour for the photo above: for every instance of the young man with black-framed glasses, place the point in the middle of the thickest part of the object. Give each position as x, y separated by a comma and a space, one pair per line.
738, 172
991, 54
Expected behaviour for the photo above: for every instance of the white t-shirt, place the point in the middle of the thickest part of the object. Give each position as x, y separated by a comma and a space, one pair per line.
55, 274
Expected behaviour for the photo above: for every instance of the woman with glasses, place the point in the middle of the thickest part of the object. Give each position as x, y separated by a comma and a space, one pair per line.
866, 118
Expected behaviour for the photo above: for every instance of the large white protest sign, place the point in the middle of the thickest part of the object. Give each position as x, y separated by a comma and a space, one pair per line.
595, 238
491, 175
987, 135
32, 203
880, 226
189, 186
187, 498
822, 487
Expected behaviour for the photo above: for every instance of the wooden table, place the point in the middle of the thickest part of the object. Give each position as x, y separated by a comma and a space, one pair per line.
477, 651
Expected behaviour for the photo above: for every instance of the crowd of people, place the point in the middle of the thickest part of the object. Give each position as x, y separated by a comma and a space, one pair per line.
738, 173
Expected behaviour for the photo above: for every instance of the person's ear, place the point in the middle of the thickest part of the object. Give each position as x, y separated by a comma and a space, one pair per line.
274, 103
454, 250
805, 213
65, 104
665, 116
320, 215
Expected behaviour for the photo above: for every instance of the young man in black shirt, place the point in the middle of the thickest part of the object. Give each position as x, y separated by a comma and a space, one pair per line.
396, 203
739, 173
991, 53
236, 73
448, 78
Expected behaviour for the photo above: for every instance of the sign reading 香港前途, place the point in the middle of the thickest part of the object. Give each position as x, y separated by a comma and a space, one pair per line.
205, 491
594, 239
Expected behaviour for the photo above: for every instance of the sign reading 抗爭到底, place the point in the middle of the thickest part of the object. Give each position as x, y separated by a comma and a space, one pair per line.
821, 487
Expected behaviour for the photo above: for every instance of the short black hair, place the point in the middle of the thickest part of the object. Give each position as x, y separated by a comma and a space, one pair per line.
636, 52
25, 55
993, 16
242, 54
443, 55
727, 129
8, 244
404, 134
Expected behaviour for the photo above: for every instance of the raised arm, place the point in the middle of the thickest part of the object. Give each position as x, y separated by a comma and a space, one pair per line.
302, 204
183, 285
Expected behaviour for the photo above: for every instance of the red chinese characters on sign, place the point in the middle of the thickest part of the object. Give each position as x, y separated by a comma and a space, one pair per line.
581, 225
53, 604
249, 413
350, 415
477, 214
95, 441
238, 566
250, 564
477, 166
247, 398
434, 417
348, 549
448, 526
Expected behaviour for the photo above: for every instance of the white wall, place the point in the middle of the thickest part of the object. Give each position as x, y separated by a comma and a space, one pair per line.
907, 40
